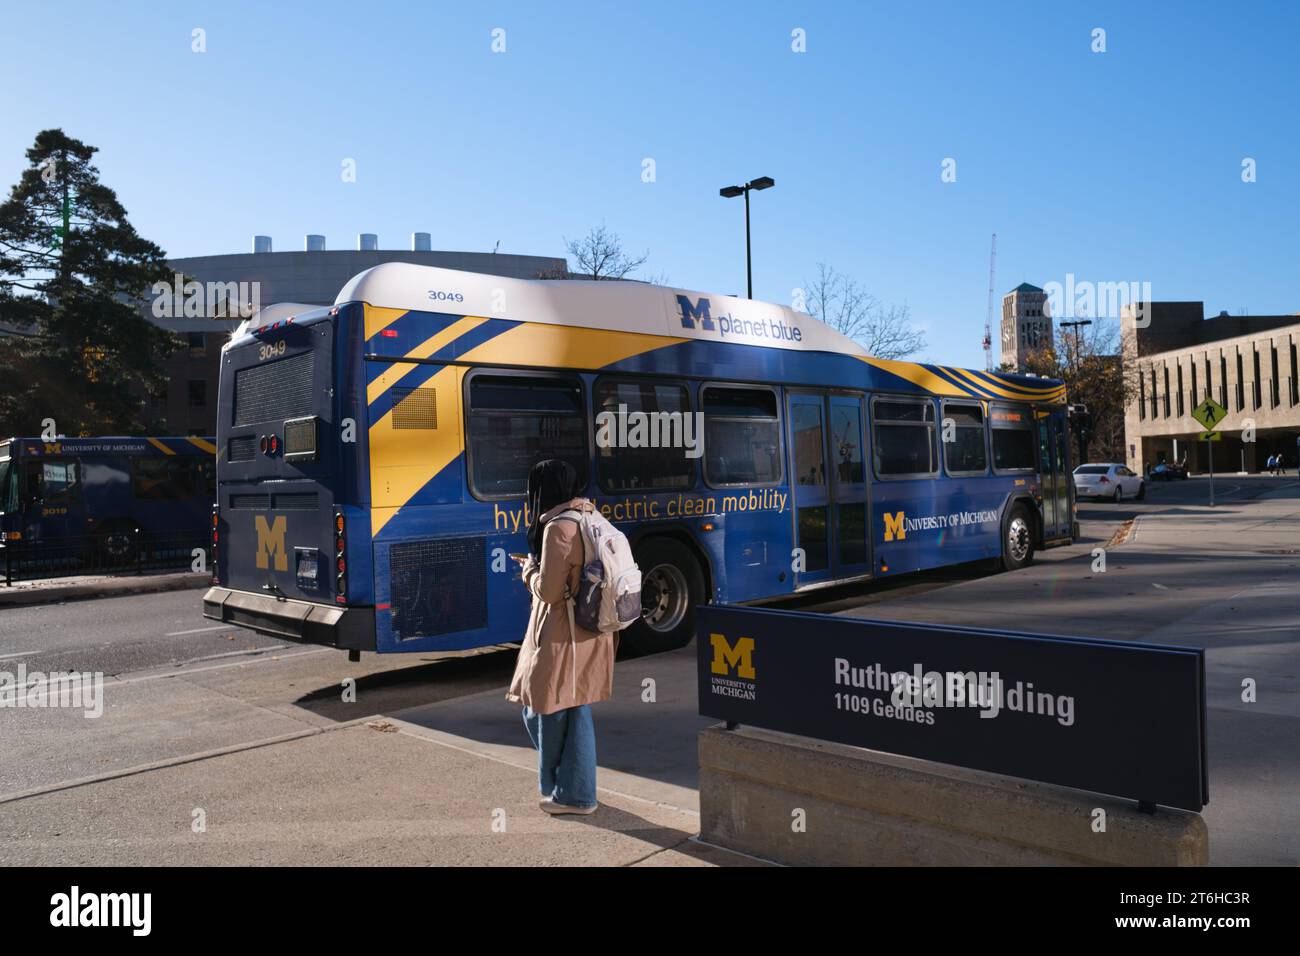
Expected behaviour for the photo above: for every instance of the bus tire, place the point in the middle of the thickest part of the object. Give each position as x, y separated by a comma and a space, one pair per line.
672, 584
1017, 538
116, 545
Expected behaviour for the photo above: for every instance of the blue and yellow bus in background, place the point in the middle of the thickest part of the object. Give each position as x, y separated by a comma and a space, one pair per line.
96, 499
373, 456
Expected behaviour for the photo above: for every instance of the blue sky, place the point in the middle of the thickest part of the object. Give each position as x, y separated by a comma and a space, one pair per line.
1115, 166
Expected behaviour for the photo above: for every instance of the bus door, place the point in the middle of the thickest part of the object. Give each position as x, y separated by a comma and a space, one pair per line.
1053, 477
828, 482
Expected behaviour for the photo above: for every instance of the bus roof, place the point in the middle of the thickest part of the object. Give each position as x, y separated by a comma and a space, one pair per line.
641, 308
616, 305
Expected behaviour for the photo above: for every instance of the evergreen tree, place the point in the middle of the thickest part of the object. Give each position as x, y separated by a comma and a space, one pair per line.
73, 273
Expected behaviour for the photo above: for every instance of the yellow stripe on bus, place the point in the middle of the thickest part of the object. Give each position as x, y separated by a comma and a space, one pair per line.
378, 319
161, 447
1006, 389
402, 461
918, 375
426, 348
207, 446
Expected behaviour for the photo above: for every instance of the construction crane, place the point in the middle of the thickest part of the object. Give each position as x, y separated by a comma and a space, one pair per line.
988, 317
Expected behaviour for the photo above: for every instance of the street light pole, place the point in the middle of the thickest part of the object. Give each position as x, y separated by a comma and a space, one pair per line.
731, 192
1083, 449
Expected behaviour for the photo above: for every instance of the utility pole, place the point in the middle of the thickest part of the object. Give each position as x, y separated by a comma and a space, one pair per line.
988, 316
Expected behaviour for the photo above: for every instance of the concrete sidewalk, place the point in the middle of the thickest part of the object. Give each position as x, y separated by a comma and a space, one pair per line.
87, 586
283, 773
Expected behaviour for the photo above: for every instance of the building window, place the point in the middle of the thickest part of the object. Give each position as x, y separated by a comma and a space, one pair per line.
1295, 378
1166, 370
1256, 386
1241, 384
1181, 410
198, 344
1274, 386
1142, 395
198, 393
1223, 380
1191, 396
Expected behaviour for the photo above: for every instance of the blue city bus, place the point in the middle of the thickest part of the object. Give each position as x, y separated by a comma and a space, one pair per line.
96, 498
373, 456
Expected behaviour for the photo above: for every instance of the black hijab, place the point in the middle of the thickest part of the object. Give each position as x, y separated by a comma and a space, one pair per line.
551, 482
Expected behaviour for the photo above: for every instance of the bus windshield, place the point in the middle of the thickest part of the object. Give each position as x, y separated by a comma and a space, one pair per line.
8, 487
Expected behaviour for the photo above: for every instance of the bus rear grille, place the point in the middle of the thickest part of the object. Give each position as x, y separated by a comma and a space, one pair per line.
415, 408
300, 501
250, 502
274, 391
438, 586
242, 448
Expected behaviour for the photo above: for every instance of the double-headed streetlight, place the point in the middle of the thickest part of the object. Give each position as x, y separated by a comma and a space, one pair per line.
731, 192
1076, 326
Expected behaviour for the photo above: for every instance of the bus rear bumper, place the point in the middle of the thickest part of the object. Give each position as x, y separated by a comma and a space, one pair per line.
348, 628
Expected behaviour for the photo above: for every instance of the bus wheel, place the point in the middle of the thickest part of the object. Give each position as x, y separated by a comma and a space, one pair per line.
117, 546
1017, 539
672, 584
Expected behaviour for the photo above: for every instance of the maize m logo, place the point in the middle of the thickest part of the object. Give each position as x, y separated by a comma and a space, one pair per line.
895, 526
699, 314
270, 542
729, 659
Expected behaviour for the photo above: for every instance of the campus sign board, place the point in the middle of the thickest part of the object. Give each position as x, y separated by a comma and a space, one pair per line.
1115, 717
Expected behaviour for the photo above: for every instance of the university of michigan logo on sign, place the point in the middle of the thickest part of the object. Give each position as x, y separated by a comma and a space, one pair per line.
726, 658
732, 671
894, 526
270, 541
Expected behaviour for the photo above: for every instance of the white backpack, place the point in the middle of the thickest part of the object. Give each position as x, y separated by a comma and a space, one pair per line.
609, 589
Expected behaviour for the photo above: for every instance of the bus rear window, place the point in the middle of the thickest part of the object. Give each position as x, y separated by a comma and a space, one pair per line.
516, 421
275, 391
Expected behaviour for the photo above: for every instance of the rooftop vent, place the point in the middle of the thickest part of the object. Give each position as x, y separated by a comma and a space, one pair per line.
315, 243
420, 242
261, 243
367, 242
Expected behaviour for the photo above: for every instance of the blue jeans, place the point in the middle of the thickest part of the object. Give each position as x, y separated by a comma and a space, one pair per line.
566, 754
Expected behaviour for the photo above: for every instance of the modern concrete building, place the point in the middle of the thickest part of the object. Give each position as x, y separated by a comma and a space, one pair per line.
264, 277
1026, 323
1176, 358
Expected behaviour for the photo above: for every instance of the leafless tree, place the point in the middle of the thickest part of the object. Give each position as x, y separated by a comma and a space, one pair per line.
885, 331
599, 255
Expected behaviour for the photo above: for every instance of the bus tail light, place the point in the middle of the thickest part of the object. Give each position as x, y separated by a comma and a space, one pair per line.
216, 520
340, 559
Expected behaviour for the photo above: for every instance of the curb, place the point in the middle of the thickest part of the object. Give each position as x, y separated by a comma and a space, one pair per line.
110, 587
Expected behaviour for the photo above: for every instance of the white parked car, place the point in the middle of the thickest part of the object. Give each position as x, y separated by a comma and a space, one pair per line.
1112, 481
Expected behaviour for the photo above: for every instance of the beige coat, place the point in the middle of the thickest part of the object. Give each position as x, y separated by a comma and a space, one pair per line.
556, 669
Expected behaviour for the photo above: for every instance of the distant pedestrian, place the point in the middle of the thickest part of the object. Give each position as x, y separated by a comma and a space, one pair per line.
1272, 465
561, 669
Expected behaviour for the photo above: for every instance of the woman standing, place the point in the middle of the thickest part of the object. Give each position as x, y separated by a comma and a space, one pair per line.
562, 669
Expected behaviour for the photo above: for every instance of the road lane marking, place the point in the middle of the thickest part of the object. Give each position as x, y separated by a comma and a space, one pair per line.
200, 630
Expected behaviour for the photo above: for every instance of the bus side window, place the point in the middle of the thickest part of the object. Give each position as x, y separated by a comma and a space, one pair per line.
163, 479
655, 458
1015, 447
52, 482
965, 454
517, 420
905, 440
8, 487
742, 436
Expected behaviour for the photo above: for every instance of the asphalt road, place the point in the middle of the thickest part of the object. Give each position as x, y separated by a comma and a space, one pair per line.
177, 685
